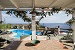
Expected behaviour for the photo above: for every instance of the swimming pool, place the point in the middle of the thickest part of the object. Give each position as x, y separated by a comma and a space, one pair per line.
18, 32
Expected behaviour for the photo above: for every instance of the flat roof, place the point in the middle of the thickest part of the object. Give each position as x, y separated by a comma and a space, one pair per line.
29, 4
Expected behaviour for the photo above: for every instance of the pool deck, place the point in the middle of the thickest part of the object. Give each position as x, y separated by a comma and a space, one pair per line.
43, 45
47, 44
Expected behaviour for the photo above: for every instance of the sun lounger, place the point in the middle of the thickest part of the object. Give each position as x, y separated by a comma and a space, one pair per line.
2, 42
0, 31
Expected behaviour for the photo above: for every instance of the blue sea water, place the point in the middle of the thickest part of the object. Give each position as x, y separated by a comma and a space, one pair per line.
55, 25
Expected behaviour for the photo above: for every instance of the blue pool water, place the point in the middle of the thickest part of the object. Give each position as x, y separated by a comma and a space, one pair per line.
18, 32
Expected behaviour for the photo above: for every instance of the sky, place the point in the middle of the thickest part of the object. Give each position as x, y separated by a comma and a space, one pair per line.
61, 17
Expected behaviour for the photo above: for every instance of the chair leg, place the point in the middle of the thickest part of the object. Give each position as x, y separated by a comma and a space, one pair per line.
48, 36
54, 34
74, 47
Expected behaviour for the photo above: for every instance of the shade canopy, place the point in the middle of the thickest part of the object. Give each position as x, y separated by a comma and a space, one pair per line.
28, 4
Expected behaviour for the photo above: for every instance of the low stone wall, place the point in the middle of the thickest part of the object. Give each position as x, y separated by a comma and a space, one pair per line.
23, 37
37, 38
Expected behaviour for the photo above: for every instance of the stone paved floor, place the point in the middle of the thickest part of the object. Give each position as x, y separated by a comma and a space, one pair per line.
52, 44
68, 45
43, 45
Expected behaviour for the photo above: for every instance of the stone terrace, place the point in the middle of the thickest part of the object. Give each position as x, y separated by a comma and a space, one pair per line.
43, 45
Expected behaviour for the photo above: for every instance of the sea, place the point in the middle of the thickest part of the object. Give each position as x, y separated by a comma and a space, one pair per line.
63, 26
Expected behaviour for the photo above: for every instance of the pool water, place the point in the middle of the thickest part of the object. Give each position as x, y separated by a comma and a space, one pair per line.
17, 32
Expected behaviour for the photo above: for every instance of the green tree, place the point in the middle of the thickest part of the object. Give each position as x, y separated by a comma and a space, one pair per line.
8, 26
5, 26
21, 14
70, 22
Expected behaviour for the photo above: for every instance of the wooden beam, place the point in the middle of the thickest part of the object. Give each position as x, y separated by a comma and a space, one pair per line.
33, 3
52, 3
27, 9
14, 3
